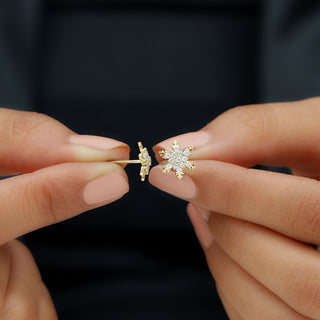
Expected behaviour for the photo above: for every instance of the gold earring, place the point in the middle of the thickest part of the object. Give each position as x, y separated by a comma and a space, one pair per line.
177, 159
144, 160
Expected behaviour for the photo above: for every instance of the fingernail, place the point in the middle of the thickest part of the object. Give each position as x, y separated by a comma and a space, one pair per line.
95, 148
105, 188
96, 142
200, 226
192, 139
168, 182
205, 213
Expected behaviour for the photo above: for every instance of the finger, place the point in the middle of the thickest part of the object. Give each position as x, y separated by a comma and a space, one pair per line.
277, 134
30, 141
231, 311
284, 266
56, 193
4, 271
249, 298
285, 203
200, 225
199, 220
47, 309
24, 291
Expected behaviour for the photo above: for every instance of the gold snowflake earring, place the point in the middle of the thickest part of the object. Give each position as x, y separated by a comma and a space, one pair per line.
177, 159
144, 160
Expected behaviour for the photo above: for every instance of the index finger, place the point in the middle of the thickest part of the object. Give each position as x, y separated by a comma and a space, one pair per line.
275, 134
30, 141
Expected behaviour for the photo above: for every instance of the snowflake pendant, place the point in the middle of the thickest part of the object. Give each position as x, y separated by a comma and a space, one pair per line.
177, 159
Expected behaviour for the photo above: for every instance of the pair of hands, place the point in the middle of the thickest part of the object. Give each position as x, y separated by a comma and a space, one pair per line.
253, 225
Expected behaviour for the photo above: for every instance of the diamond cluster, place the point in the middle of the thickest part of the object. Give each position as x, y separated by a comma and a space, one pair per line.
145, 159
177, 159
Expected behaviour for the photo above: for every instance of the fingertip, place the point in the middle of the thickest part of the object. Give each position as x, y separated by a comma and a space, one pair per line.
191, 139
168, 182
105, 189
97, 142
97, 169
96, 148
47, 310
200, 226
110, 184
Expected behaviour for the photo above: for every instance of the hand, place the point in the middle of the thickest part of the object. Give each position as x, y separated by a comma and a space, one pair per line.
64, 175
259, 222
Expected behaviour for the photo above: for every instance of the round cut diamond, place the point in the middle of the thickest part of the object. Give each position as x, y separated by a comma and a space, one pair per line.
186, 152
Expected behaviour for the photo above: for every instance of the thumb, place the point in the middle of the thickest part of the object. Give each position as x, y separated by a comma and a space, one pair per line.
49, 195
30, 141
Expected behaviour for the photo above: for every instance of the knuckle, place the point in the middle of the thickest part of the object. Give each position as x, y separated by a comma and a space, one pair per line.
43, 198
251, 117
5, 275
260, 119
307, 286
50, 192
23, 125
225, 235
233, 195
306, 220
312, 221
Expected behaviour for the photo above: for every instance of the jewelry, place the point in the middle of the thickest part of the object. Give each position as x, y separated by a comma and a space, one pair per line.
177, 159
144, 159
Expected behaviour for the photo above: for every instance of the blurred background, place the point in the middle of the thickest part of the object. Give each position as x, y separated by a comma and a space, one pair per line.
145, 70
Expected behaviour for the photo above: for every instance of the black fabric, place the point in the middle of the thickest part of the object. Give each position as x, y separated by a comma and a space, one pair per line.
146, 70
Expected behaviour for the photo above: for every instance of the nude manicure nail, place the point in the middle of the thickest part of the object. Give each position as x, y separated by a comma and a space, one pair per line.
96, 142
168, 182
205, 213
105, 188
200, 226
192, 139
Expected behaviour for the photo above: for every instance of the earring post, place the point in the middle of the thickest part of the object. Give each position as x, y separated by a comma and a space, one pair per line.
126, 161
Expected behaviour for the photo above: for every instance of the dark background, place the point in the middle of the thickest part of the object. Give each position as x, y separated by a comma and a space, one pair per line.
145, 70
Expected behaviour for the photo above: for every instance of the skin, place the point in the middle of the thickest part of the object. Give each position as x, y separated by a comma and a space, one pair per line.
49, 190
261, 223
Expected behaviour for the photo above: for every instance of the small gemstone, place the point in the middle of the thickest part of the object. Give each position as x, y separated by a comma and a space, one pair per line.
186, 152
184, 159
176, 148
179, 170
171, 160
167, 155
175, 166
169, 166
